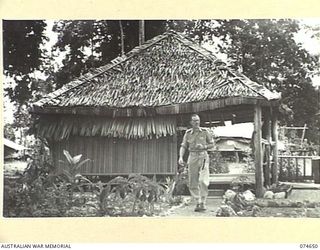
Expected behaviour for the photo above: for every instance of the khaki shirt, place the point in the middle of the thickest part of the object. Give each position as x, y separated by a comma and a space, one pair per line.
192, 138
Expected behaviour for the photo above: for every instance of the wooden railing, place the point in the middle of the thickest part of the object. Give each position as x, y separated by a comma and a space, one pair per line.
295, 168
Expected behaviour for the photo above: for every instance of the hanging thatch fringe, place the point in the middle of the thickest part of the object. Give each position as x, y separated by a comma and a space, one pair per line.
62, 127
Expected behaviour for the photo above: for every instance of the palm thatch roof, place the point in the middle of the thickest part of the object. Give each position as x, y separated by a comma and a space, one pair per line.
169, 74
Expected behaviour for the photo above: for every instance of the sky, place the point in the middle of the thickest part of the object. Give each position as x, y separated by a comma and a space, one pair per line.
310, 44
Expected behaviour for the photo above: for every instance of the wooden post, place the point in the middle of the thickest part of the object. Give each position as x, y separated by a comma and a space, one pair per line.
237, 156
297, 169
141, 32
303, 134
304, 167
258, 157
281, 177
275, 148
267, 126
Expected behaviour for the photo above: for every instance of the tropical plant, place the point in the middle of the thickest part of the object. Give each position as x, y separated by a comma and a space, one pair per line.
176, 187
43, 190
217, 165
24, 193
71, 171
132, 196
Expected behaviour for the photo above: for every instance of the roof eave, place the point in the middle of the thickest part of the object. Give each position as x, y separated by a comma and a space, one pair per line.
172, 109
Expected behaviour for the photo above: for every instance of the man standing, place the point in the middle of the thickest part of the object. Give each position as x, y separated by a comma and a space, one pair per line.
197, 140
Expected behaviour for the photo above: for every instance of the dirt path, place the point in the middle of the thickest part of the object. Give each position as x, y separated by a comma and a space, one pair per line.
303, 194
186, 209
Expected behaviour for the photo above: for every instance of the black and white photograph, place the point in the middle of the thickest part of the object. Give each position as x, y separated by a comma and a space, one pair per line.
161, 118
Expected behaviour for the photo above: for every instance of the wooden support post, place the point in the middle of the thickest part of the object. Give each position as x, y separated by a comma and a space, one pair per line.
267, 172
297, 169
275, 148
304, 167
258, 157
303, 134
237, 157
280, 172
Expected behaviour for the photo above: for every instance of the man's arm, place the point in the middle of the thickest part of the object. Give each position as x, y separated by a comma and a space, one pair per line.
210, 142
181, 154
182, 150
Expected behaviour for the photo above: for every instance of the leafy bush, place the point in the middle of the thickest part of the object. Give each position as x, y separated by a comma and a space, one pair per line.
289, 170
23, 192
217, 165
176, 187
45, 191
242, 183
132, 196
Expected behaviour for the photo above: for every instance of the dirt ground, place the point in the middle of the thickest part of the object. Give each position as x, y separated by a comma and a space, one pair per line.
14, 166
187, 209
305, 194
213, 203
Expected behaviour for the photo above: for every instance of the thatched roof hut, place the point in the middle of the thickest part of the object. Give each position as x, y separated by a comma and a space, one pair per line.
11, 147
132, 108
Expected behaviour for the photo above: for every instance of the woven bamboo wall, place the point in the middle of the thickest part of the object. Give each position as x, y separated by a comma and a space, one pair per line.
120, 156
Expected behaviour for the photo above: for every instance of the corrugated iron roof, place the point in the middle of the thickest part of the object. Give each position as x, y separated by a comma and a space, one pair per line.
13, 145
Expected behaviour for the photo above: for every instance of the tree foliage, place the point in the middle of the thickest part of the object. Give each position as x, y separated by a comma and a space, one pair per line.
8, 132
22, 55
266, 51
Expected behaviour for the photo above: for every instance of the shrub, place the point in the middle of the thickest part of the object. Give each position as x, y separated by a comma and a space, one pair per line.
132, 196
289, 170
43, 190
217, 165
242, 183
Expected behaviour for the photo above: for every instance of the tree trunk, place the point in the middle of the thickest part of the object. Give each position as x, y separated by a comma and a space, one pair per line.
141, 32
121, 38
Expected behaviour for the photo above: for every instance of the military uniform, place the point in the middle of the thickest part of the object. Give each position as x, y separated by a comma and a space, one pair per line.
198, 161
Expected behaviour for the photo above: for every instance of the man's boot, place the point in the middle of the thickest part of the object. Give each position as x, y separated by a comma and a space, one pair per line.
200, 207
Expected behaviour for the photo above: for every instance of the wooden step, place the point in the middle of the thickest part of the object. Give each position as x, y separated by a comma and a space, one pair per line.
301, 185
216, 192
228, 178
